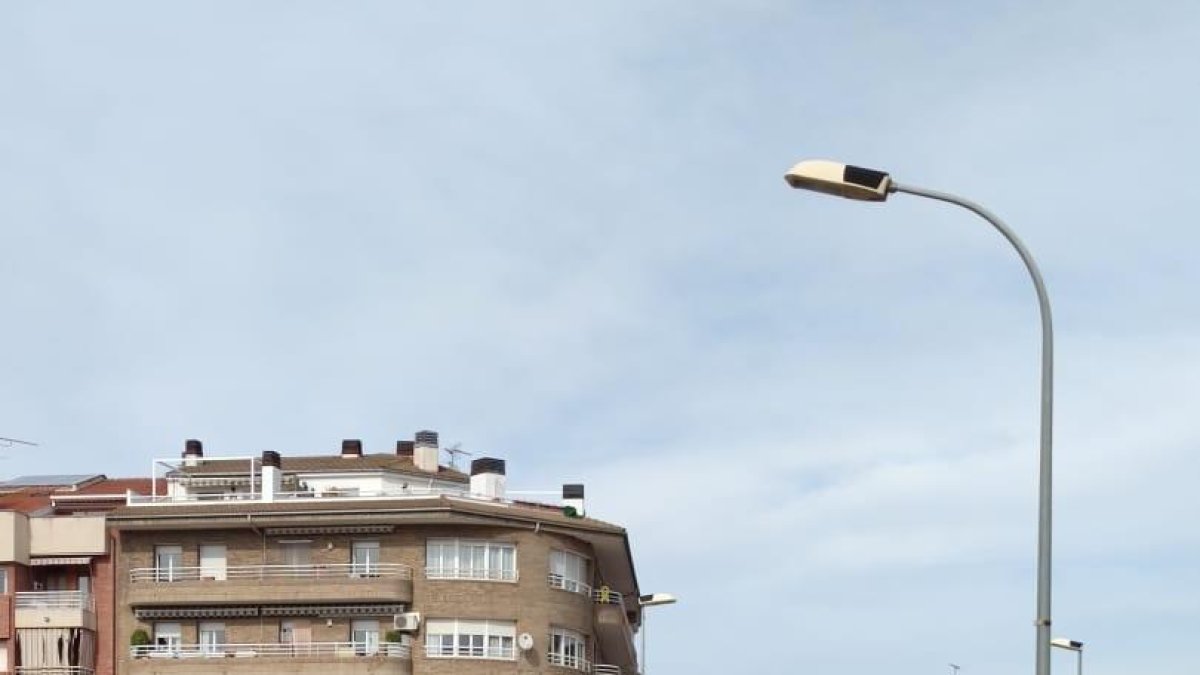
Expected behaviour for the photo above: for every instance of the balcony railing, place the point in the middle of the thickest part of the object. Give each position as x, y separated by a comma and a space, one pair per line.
55, 600
607, 596
605, 669
464, 573
448, 651
405, 493
569, 661
391, 650
562, 583
53, 670
332, 571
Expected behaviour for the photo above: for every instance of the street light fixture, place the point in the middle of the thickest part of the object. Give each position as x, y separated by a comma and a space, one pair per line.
652, 600
855, 182
1071, 646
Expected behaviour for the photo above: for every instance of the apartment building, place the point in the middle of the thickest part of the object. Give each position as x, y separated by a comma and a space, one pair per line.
365, 563
56, 573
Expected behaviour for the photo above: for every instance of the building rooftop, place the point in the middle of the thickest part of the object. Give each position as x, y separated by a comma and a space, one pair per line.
318, 464
51, 480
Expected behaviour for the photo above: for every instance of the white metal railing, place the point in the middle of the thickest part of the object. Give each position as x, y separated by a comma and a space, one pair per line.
560, 582
501, 652
311, 571
393, 650
569, 661
606, 669
330, 493
470, 574
53, 670
55, 600
607, 596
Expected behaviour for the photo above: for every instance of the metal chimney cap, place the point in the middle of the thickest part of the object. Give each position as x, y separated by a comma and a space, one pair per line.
352, 446
193, 448
487, 465
271, 458
426, 438
405, 448
573, 491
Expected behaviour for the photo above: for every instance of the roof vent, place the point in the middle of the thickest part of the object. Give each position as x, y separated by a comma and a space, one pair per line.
351, 448
405, 448
427, 438
426, 455
270, 458
487, 478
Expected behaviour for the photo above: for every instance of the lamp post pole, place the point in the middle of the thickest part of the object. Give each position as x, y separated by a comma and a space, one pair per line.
1071, 646
645, 602
864, 184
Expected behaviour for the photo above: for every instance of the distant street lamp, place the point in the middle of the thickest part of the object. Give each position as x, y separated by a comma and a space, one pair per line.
954, 668
854, 182
1071, 646
652, 600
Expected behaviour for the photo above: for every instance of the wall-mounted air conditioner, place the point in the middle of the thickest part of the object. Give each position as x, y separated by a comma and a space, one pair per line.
409, 621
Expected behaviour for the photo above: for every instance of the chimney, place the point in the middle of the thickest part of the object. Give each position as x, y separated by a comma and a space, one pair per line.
351, 448
193, 452
272, 477
404, 449
487, 478
426, 454
573, 499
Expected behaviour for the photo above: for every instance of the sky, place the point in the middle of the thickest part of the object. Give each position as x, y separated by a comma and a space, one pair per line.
558, 233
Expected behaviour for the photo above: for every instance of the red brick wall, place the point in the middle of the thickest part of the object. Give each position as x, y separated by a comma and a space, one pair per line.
103, 588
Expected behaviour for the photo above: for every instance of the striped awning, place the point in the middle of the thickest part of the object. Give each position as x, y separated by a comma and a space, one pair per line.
75, 560
193, 612
332, 610
332, 529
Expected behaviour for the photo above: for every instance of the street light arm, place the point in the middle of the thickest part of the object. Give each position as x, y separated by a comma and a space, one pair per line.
1046, 441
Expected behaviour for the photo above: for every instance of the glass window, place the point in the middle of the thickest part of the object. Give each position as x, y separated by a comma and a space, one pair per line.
212, 637
569, 571
168, 636
4, 580
364, 633
569, 649
466, 559
470, 639
296, 555
212, 561
168, 561
364, 561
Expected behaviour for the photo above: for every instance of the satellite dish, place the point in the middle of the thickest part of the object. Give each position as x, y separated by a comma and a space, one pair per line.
525, 641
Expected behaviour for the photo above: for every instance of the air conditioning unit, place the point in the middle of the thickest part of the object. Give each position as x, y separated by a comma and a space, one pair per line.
409, 621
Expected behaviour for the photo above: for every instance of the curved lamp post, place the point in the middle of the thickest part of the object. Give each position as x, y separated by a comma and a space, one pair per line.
652, 600
1071, 646
854, 182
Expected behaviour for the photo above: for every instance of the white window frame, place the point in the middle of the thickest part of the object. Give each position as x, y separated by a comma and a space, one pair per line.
168, 636
212, 566
170, 571
365, 635
366, 565
569, 649
570, 571
471, 639
471, 559
211, 636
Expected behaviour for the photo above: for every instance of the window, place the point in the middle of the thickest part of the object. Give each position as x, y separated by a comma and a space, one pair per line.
569, 571
4, 651
467, 559
85, 584
168, 637
296, 554
364, 560
4, 581
470, 639
212, 637
364, 634
167, 562
295, 632
568, 649
212, 561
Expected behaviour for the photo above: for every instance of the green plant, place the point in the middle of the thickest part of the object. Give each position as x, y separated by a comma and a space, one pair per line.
393, 636
139, 638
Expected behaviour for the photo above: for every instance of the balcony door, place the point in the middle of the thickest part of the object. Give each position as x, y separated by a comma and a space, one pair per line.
364, 561
212, 561
364, 633
167, 562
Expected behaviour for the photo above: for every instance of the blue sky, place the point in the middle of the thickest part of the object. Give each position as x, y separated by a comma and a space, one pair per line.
558, 233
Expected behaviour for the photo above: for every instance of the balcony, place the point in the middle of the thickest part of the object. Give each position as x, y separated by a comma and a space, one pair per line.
613, 632
606, 669
375, 582
297, 658
53, 670
54, 609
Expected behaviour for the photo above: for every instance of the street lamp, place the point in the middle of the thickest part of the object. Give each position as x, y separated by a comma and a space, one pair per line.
652, 600
854, 182
1071, 646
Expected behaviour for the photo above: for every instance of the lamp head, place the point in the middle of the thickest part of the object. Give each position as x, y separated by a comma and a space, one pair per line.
1064, 643
655, 599
842, 180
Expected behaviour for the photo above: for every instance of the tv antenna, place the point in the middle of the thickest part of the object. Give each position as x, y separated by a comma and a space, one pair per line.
456, 450
954, 668
9, 442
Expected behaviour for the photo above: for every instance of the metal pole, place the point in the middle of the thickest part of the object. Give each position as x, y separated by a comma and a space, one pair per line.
644, 616
1042, 621
1079, 662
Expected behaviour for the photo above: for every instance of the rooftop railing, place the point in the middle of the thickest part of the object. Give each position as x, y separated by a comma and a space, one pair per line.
392, 650
606, 669
237, 572
54, 600
351, 494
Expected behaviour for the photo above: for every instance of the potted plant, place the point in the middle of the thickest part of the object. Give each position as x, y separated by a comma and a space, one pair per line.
138, 638
394, 640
